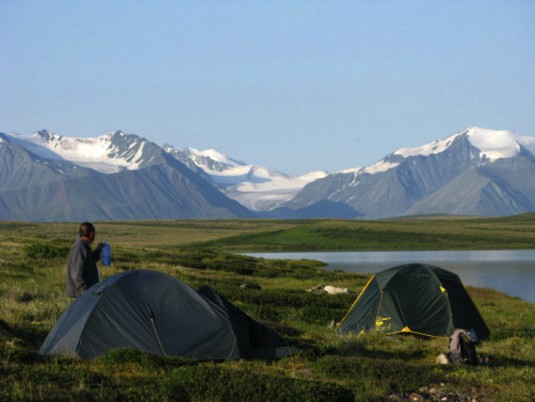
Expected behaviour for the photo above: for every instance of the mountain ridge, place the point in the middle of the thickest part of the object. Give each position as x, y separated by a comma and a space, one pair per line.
476, 171
157, 186
406, 177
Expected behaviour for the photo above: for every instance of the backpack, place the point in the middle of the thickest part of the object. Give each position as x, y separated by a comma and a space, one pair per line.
463, 347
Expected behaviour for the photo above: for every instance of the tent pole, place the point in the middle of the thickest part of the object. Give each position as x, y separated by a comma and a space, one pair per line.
157, 337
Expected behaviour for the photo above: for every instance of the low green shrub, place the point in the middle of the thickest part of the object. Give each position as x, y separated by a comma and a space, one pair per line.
24, 356
391, 374
71, 381
321, 314
121, 356
217, 383
308, 307
265, 312
133, 389
26, 297
292, 298
144, 360
206, 259
46, 251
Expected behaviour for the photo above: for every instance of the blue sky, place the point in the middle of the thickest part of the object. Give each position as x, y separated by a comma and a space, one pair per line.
292, 85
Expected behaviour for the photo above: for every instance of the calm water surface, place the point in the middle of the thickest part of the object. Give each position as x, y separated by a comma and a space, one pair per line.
509, 271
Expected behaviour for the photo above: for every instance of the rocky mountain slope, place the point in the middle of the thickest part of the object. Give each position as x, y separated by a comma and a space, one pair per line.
44, 177
474, 172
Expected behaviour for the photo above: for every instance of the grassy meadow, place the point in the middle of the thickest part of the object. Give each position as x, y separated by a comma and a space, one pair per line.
328, 368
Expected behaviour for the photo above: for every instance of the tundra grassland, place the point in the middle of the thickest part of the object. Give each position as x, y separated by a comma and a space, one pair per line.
328, 367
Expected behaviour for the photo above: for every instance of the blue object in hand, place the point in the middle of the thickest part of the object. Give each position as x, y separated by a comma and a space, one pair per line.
105, 254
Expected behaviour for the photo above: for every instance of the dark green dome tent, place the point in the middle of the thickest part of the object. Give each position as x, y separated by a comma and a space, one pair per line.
255, 340
156, 313
414, 298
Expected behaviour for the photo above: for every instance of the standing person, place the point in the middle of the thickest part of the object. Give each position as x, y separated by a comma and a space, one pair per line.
82, 271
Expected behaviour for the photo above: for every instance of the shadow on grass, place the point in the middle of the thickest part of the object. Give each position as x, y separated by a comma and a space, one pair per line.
313, 350
499, 361
31, 338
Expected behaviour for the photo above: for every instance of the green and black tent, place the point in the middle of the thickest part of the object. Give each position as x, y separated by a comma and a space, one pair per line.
419, 299
156, 313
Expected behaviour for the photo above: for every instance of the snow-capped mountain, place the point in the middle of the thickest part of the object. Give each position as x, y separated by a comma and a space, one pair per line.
256, 187
474, 172
116, 176
490, 145
210, 160
44, 176
20, 169
109, 153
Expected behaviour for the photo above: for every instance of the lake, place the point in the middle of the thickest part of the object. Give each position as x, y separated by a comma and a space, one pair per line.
508, 271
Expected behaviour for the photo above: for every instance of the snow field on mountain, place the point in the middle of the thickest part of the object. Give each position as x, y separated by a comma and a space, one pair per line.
98, 153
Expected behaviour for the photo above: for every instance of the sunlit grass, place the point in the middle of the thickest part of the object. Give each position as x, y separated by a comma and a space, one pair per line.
369, 367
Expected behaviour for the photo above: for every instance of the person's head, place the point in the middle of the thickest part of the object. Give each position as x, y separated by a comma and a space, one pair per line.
87, 231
